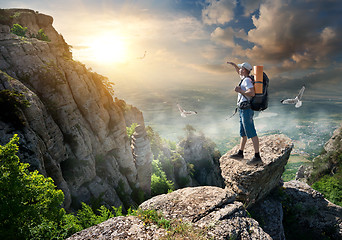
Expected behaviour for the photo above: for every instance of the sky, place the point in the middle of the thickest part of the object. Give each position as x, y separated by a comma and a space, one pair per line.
170, 44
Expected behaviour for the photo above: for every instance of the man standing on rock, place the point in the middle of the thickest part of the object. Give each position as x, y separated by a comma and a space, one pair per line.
245, 92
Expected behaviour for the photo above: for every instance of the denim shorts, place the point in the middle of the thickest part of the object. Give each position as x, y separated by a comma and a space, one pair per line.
246, 123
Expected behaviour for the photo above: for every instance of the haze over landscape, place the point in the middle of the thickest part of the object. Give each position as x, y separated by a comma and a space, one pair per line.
160, 53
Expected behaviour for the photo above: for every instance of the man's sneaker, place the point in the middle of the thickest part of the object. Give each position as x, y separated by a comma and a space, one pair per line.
255, 161
236, 156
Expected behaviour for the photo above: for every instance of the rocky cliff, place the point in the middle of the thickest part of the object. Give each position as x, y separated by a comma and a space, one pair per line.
201, 152
327, 163
73, 131
254, 204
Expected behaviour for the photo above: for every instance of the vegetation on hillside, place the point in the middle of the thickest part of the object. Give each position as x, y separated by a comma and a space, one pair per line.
18, 30
21, 31
326, 176
31, 205
164, 168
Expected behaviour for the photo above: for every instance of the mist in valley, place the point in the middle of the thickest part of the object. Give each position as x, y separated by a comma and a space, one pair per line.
309, 126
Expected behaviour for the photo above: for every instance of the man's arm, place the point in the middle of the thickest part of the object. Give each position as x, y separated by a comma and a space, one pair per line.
234, 65
249, 92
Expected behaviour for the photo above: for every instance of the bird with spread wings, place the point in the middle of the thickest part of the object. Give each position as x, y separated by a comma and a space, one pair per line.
185, 113
297, 100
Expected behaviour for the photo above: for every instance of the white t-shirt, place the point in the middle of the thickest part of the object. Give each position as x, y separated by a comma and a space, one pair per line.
245, 84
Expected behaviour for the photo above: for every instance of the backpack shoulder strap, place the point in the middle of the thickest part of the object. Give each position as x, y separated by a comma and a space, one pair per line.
252, 78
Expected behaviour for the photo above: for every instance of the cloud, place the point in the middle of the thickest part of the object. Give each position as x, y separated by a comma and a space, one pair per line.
226, 36
320, 83
250, 6
218, 12
211, 68
304, 33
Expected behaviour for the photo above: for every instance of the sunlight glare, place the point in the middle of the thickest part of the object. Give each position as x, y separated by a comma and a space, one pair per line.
109, 49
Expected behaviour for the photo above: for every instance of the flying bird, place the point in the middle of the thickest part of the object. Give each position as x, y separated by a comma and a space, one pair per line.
297, 100
184, 113
142, 56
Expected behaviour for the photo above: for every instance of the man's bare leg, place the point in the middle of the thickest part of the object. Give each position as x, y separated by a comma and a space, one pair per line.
243, 143
255, 141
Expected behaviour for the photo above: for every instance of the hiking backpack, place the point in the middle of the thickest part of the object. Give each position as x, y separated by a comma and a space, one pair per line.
260, 101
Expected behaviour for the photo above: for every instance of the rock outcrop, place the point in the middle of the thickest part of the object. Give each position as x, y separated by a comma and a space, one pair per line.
309, 214
335, 142
200, 151
210, 208
252, 183
73, 130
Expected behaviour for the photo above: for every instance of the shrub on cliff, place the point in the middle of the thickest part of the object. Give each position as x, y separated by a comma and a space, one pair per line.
159, 182
41, 36
18, 30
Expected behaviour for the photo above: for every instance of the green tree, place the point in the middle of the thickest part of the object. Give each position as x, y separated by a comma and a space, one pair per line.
18, 30
159, 182
29, 203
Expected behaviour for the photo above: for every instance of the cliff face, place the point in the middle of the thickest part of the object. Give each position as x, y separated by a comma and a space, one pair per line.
201, 152
73, 130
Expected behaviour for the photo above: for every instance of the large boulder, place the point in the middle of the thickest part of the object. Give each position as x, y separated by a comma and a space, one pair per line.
253, 182
211, 209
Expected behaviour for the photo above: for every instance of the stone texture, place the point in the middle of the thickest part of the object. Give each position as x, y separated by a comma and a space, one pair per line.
212, 209
269, 214
143, 157
131, 228
335, 142
252, 183
189, 203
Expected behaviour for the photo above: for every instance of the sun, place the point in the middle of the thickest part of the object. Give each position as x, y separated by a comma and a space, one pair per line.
108, 49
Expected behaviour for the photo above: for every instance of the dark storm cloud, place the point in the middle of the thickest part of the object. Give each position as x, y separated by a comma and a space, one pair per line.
325, 82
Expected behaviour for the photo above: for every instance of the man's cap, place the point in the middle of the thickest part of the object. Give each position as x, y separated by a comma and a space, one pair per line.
246, 65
